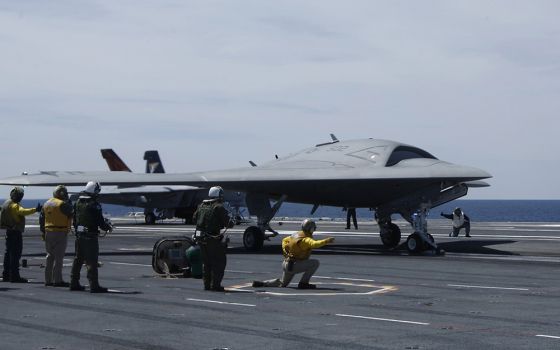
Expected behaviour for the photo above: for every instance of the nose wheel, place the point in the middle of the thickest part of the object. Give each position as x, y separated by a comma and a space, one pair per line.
414, 243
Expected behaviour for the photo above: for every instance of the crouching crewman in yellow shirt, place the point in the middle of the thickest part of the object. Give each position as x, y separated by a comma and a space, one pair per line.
297, 250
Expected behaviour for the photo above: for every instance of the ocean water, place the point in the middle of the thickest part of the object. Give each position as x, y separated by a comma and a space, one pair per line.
477, 210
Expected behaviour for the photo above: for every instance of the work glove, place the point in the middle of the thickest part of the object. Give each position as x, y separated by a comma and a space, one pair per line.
109, 225
38, 208
441, 214
330, 239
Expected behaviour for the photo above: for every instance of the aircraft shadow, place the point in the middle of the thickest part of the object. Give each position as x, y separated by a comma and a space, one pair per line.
463, 246
478, 247
71, 254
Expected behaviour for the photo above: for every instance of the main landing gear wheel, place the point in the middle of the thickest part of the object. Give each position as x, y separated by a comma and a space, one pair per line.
414, 243
253, 238
391, 236
150, 219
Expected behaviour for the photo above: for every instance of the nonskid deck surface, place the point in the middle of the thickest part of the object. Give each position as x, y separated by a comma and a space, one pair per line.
498, 289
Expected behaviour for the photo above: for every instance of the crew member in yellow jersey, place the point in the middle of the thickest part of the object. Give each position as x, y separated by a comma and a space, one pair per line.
297, 250
55, 221
12, 219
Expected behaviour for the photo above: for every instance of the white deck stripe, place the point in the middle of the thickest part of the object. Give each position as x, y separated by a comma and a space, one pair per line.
484, 287
220, 302
383, 319
547, 336
344, 279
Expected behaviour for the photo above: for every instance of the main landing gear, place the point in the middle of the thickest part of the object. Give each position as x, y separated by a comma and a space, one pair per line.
421, 240
149, 217
390, 233
254, 236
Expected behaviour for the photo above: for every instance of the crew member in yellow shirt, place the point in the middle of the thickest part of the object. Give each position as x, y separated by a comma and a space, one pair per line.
55, 222
12, 219
297, 250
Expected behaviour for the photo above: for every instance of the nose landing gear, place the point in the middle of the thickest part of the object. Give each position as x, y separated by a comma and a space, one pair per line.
421, 240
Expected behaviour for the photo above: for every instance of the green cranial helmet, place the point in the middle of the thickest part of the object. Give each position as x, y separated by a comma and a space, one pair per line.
308, 226
16, 194
60, 192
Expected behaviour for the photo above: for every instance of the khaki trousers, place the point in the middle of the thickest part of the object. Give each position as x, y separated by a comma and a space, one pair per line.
55, 245
308, 267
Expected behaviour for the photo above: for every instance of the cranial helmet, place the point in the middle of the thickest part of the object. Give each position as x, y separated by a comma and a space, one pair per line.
16, 194
216, 192
93, 187
308, 226
60, 192
457, 211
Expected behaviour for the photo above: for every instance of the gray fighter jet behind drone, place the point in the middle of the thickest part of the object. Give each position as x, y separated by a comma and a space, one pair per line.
387, 176
161, 202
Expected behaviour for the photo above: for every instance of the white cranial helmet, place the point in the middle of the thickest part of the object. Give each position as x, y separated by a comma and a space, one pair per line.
93, 187
216, 192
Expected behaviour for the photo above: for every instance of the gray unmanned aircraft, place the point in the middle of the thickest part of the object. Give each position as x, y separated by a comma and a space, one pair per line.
388, 176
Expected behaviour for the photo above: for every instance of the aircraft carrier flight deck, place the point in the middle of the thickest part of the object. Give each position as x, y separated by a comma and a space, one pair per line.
498, 289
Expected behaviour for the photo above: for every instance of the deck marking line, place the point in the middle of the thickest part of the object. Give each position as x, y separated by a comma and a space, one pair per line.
383, 319
485, 287
378, 290
220, 302
344, 279
547, 336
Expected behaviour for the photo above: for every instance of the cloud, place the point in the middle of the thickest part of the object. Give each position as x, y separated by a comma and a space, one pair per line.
214, 84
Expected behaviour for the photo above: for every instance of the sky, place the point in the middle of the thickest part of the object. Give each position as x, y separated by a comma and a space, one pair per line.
214, 84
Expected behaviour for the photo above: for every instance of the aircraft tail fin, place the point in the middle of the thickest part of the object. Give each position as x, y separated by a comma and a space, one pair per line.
114, 162
153, 163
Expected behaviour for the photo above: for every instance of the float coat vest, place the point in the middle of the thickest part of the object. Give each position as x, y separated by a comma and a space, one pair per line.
88, 214
12, 216
293, 250
55, 220
209, 217
458, 220
7, 220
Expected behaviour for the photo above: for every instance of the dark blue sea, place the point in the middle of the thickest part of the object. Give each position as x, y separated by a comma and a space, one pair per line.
477, 210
